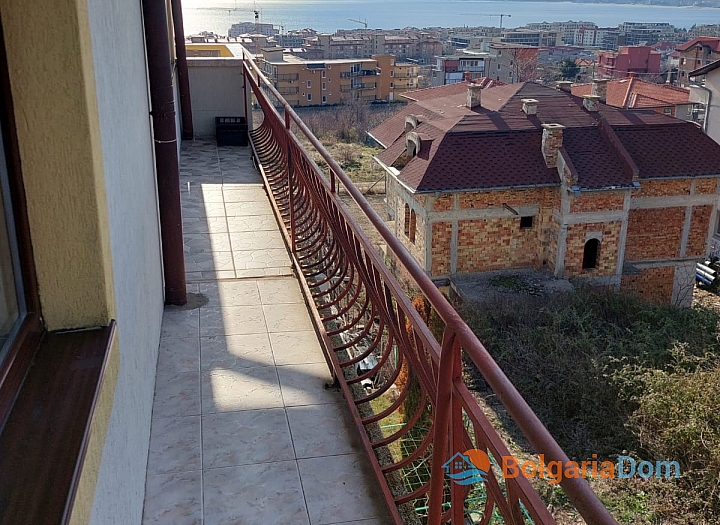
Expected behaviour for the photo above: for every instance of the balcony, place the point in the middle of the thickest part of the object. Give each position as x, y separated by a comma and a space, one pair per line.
288, 77
283, 389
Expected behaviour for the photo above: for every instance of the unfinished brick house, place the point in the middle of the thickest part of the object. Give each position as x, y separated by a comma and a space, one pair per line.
531, 176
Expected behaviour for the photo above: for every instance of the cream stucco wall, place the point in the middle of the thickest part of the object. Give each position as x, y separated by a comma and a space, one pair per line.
80, 94
128, 161
216, 87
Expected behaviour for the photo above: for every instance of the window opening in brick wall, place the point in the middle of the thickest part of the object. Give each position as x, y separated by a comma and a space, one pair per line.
590, 254
413, 224
526, 222
407, 221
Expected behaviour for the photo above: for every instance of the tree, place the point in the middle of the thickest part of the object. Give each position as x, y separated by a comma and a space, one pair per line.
569, 69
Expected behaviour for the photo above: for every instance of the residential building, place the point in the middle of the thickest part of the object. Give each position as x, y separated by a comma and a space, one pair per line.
640, 60
357, 44
643, 34
694, 55
705, 91
513, 62
559, 53
320, 82
566, 29
592, 36
453, 68
243, 28
705, 30
635, 93
532, 38
525, 175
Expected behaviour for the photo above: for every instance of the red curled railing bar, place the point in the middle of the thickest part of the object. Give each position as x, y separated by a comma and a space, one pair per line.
371, 333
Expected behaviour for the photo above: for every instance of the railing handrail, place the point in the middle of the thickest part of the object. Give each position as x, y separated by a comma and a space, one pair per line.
577, 490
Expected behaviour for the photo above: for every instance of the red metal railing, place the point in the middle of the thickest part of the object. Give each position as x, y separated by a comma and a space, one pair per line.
405, 391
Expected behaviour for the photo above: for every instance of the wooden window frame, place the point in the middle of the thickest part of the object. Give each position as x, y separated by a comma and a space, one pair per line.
14, 367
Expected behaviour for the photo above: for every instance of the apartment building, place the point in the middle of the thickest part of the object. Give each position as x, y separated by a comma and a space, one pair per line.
696, 54
566, 29
643, 33
640, 60
420, 46
534, 38
320, 82
456, 68
513, 62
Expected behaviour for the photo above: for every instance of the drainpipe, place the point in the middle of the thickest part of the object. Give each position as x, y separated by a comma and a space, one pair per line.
162, 101
183, 77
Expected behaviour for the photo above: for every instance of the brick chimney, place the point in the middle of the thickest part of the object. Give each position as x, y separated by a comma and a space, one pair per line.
473, 96
564, 85
591, 102
599, 88
552, 140
529, 106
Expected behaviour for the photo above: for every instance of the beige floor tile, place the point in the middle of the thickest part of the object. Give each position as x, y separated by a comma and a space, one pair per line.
257, 273
373, 521
280, 291
248, 224
173, 499
293, 348
263, 494
174, 445
232, 352
231, 293
241, 209
263, 258
209, 262
247, 437
178, 323
305, 385
204, 194
210, 276
243, 193
204, 225
287, 317
256, 240
203, 209
233, 320
177, 395
243, 389
340, 488
194, 243
323, 430
178, 355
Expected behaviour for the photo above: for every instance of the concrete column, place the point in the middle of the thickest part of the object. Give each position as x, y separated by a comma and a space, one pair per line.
623, 238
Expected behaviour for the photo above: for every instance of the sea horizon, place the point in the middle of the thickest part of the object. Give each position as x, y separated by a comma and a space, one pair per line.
327, 16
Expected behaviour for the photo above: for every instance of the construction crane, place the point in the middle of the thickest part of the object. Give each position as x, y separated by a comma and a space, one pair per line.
361, 22
501, 15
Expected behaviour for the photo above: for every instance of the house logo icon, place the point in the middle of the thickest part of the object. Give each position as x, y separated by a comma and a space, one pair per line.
467, 468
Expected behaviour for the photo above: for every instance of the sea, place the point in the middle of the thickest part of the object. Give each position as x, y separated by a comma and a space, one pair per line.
331, 15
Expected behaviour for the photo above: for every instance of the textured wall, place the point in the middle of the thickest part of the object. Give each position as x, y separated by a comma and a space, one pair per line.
441, 234
663, 188
494, 244
578, 235
50, 60
652, 284
699, 227
216, 88
654, 233
598, 201
122, 90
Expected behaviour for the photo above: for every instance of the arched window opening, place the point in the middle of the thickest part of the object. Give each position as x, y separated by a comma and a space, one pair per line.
413, 220
407, 220
590, 254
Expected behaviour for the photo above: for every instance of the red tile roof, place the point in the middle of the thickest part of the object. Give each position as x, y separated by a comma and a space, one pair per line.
636, 93
498, 145
714, 43
449, 89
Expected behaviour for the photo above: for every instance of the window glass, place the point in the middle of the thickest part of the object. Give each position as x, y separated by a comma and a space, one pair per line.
10, 303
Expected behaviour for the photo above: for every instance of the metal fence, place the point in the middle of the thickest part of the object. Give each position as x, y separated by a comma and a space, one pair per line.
405, 390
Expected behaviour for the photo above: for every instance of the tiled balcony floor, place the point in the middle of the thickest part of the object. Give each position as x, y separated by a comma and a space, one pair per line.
243, 429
